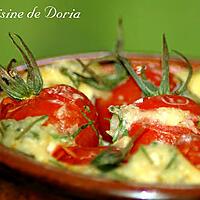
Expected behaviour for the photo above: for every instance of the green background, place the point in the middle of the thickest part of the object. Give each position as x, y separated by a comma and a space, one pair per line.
144, 23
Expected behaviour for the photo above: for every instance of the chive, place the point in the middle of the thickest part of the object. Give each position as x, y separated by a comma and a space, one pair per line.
62, 138
79, 130
108, 159
56, 163
26, 154
2, 130
90, 71
35, 135
92, 82
171, 162
144, 151
18, 129
121, 130
74, 80
105, 82
118, 176
25, 130
119, 46
90, 122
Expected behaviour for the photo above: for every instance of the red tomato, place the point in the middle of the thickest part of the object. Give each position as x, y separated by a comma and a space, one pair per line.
125, 93
184, 138
67, 109
76, 155
171, 101
191, 150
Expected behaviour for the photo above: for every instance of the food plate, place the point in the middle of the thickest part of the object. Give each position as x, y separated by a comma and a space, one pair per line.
84, 186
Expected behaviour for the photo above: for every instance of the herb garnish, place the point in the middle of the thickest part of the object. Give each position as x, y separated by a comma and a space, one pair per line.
26, 129
84, 126
81, 128
144, 151
171, 162
121, 130
113, 156
56, 163
2, 129
71, 76
90, 122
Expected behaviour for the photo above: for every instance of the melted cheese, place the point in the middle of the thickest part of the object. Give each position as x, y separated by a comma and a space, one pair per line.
164, 116
52, 75
164, 164
37, 142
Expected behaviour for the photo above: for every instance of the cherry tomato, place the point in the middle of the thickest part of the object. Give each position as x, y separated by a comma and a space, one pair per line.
187, 141
67, 109
120, 95
125, 93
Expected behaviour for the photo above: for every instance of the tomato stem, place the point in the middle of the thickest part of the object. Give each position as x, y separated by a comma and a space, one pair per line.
147, 87
164, 87
183, 86
105, 82
10, 80
119, 46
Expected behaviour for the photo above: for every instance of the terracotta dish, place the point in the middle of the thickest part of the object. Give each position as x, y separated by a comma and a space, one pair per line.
82, 186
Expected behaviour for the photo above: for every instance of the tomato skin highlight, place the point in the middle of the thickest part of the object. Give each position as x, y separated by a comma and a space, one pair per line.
170, 101
65, 107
